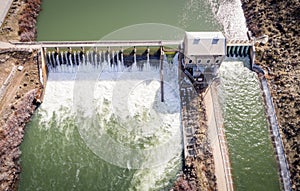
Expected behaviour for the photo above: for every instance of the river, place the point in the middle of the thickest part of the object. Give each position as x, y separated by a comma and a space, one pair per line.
61, 148
253, 162
92, 19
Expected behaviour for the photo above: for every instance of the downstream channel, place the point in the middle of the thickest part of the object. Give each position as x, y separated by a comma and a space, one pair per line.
252, 155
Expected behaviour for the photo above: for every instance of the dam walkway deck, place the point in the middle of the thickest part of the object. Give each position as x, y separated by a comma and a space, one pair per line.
66, 44
113, 43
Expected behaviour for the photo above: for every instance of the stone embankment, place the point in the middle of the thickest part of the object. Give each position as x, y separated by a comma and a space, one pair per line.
11, 137
279, 56
199, 168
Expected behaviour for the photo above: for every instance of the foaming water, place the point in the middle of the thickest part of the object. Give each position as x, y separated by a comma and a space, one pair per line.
252, 156
61, 152
231, 16
196, 15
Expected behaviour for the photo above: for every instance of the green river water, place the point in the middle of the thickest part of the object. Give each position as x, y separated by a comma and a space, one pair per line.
94, 19
252, 157
58, 153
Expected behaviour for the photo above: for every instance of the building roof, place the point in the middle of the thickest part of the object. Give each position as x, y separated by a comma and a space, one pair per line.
204, 43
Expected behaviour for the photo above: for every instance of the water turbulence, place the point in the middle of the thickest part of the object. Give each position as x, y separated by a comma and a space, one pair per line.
230, 15
252, 155
122, 118
102, 125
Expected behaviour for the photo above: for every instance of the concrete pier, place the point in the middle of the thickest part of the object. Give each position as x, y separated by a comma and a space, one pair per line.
162, 74
276, 138
216, 135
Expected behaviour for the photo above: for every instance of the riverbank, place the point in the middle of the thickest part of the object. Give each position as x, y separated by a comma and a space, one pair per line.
12, 133
199, 167
19, 80
28, 19
279, 56
18, 100
9, 29
20, 21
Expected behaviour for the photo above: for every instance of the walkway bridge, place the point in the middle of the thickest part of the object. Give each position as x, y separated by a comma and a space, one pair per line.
119, 43
233, 47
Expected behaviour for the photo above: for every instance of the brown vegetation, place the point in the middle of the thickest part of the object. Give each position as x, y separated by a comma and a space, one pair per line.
280, 20
16, 108
28, 19
19, 100
11, 137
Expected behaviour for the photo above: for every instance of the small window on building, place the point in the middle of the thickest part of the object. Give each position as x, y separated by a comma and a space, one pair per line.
196, 41
215, 41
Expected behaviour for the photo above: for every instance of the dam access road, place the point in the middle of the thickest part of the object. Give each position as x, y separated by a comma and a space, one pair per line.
4, 7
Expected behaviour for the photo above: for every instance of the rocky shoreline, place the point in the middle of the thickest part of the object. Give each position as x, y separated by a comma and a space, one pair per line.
11, 137
280, 21
199, 169
24, 90
16, 108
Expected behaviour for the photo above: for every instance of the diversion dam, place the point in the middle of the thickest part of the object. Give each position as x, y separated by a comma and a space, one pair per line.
61, 148
130, 136
84, 112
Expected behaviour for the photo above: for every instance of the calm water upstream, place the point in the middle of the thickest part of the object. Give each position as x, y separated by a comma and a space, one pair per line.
62, 149
93, 19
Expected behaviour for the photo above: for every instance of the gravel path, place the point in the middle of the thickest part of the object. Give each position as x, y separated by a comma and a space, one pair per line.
4, 7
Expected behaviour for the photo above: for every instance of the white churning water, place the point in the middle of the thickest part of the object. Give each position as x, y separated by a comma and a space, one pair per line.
120, 118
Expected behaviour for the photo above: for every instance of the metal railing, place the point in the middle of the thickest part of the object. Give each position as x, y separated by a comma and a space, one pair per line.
221, 137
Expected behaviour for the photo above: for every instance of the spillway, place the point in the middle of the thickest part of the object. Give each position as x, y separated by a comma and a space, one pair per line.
98, 122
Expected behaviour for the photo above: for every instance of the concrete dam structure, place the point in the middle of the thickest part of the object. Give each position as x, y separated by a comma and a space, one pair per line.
199, 57
73, 53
